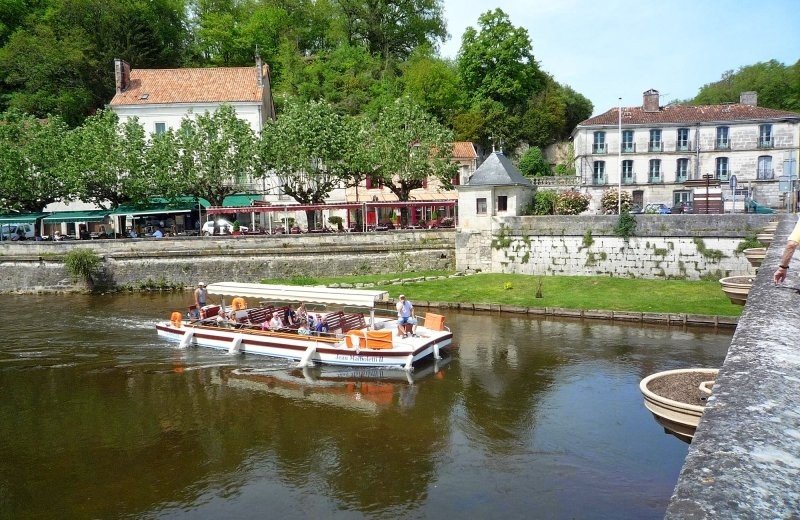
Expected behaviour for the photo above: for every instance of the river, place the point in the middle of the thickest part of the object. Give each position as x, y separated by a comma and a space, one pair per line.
527, 418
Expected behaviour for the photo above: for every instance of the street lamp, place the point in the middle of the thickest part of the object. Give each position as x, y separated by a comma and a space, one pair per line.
619, 161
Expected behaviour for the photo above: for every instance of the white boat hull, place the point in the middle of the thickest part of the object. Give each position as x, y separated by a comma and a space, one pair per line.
403, 354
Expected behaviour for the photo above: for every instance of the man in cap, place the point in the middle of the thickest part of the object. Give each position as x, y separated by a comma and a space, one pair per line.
199, 298
404, 312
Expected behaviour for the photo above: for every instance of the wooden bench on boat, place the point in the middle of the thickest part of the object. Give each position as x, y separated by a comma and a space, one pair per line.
341, 322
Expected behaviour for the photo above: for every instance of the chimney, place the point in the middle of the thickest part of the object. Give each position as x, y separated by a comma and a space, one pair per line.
749, 98
122, 74
650, 103
259, 72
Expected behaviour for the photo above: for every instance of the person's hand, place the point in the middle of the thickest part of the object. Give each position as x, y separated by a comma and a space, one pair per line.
780, 275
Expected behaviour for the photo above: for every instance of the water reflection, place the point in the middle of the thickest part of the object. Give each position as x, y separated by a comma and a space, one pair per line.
526, 415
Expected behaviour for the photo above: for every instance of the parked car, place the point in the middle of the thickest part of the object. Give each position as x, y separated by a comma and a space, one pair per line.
17, 232
683, 207
636, 209
224, 227
657, 208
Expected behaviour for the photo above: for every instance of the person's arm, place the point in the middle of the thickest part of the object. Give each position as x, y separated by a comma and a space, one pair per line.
786, 258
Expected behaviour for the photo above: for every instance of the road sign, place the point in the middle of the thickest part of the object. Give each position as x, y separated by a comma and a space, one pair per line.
733, 182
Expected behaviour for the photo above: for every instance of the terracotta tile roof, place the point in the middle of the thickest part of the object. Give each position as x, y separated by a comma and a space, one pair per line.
464, 150
686, 114
214, 85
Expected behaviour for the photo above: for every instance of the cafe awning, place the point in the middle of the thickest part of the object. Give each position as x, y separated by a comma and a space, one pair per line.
161, 206
97, 215
241, 199
21, 218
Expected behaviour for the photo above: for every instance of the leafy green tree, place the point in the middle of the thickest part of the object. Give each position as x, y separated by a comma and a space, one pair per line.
496, 61
32, 155
216, 153
777, 85
305, 148
392, 30
107, 161
409, 147
544, 202
433, 84
532, 163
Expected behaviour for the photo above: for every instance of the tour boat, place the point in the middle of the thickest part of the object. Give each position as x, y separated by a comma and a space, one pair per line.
355, 335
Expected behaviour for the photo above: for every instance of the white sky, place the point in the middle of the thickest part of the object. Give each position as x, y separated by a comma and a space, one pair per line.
620, 48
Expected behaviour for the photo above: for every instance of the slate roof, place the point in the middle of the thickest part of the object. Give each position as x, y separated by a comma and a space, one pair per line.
201, 85
687, 114
498, 170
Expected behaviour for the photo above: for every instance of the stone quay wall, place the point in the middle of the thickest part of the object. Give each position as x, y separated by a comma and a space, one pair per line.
39, 266
664, 246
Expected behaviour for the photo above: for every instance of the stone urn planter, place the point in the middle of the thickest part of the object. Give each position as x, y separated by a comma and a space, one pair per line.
677, 398
737, 288
765, 238
755, 255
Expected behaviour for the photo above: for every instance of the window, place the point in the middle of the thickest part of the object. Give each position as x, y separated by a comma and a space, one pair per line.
765, 136
721, 170
682, 172
599, 173
682, 143
655, 141
502, 203
480, 207
599, 145
160, 128
368, 182
628, 146
654, 173
764, 171
681, 196
627, 172
723, 141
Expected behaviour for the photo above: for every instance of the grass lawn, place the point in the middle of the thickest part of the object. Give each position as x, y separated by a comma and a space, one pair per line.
571, 292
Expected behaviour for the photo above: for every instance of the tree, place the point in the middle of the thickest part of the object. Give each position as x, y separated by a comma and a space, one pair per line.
216, 154
433, 84
777, 85
496, 62
409, 147
305, 147
32, 155
533, 163
392, 29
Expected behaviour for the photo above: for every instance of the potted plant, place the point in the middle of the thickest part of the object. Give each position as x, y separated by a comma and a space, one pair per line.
336, 221
236, 228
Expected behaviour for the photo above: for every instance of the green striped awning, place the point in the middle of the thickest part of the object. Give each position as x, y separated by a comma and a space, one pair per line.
160, 206
239, 200
21, 218
97, 215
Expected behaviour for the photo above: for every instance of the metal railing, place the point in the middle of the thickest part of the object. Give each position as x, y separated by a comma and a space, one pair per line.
655, 178
628, 178
765, 174
556, 180
628, 147
599, 148
655, 146
598, 181
766, 142
683, 147
722, 144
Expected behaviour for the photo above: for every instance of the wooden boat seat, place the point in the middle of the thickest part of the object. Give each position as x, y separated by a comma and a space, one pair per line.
375, 339
434, 321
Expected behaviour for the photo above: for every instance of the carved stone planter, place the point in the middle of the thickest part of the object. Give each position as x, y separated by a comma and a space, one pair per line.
755, 255
765, 238
677, 398
737, 288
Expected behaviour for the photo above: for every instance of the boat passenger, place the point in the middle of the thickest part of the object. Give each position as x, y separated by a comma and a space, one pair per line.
200, 295
405, 310
275, 323
291, 316
302, 313
321, 325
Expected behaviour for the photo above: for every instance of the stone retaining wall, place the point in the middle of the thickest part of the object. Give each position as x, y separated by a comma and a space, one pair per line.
39, 266
664, 246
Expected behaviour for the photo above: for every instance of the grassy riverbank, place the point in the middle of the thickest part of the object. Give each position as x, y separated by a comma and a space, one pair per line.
571, 292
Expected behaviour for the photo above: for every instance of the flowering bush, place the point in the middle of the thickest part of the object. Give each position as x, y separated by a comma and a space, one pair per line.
609, 201
572, 202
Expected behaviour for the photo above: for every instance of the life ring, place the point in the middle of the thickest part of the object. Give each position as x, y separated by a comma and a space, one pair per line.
177, 319
239, 304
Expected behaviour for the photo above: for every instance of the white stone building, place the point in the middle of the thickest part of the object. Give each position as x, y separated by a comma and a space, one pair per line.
656, 149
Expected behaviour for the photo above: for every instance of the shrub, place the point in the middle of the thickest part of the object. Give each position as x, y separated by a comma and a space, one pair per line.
82, 264
572, 202
533, 163
626, 225
609, 201
544, 203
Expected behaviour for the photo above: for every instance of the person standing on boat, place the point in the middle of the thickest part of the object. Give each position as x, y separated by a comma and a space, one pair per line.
200, 295
791, 245
404, 312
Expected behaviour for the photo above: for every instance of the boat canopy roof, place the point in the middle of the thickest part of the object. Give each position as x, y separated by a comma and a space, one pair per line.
299, 293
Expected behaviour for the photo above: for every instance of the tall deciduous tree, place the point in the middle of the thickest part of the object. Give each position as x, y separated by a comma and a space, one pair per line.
409, 147
532, 163
216, 154
433, 84
393, 29
305, 147
496, 61
777, 85
32, 155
